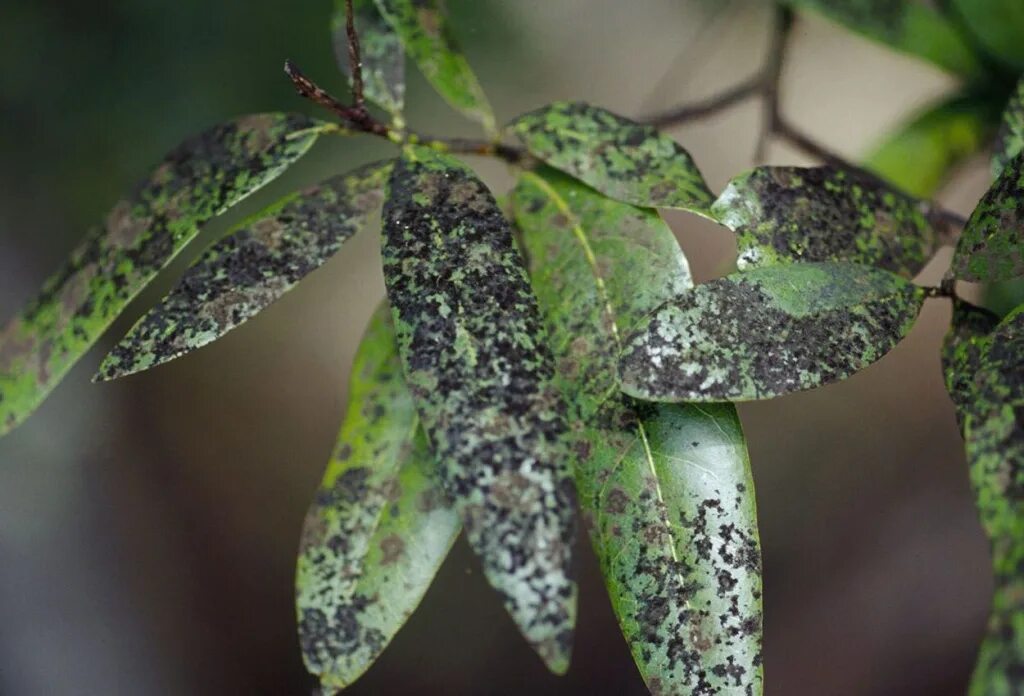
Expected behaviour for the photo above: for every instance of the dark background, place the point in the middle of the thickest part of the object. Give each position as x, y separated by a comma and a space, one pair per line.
148, 527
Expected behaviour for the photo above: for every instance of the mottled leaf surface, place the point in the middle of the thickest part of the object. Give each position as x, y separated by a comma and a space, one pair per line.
998, 25
379, 527
991, 246
249, 269
1010, 139
199, 179
380, 52
966, 340
665, 489
790, 214
911, 26
919, 156
620, 158
478, 363
769, 331
994, 435
427, 38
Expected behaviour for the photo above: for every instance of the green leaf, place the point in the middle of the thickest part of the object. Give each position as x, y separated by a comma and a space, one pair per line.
967, 338
769, 331
379, 527
919, 155
998, 25
201, 178
263, 258
1010, 139
905, 25
994, 435
427, 38
479, 366
991, 246
665, 489
790, 214
381, 55
627, 161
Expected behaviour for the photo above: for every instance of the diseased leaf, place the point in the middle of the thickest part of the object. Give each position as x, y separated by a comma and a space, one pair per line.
627, 161
909, 26
998, 25
263, 258
991, 246
994, 435
427, 38
1010, 139
769, 331
381, 55
919, 156
479, 366
379, 527
665, 489
966, 340
202, 177
789, 214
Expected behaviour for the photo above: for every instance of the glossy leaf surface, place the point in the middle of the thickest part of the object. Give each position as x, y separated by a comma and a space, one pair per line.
625, 160
478, 363
246, 271
769, 331
790, 214
202, 177
991, 247
665, 490
379, 527
380, 51
427, 38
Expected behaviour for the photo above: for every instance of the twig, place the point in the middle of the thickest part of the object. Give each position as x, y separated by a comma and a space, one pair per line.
355, 62
771, 80
352, 117
709, 106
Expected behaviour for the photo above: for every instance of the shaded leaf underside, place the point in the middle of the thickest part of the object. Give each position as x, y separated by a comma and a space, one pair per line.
252, 267
199, 179
477, 361
769, 331
666, 490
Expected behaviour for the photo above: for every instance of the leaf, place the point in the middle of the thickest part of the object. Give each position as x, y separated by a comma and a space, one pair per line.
967, 338
994, 435
665, 489
1010, 139
201, 178
919, 155
790, 214
991, 247
627, 161
998, 25
381, 55
239, 276
768, 332
479, 366
379, 527
427, 38
905, 25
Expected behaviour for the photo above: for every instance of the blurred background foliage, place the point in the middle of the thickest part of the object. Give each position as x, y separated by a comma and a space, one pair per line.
148, 527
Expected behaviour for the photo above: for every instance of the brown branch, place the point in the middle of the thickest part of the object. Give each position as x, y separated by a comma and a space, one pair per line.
772, 79
709, 106
355, 62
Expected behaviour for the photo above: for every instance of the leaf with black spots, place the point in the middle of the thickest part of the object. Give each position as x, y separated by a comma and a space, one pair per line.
991, 247
625, 160
767, 332
478, 363
665, 489
201, 178
379, 527
919, 156
424, 32
381, 55
998, 25
967, 338
909, 26
994, 436
263, 258
1010, 139
791, 214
